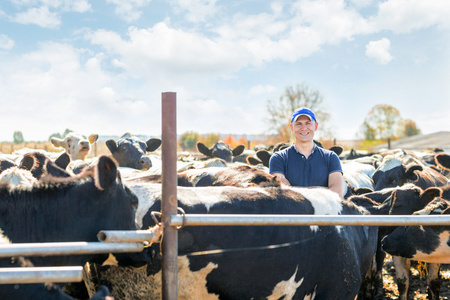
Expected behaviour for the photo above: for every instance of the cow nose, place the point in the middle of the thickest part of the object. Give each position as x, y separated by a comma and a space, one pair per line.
145, 163
84, 144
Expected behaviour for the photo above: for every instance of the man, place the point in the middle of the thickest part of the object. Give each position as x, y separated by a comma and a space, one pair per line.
304, 163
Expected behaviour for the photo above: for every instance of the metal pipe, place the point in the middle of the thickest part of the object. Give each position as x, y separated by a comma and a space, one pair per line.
40, 275
305, 220
113, 236
46, 249
169, 197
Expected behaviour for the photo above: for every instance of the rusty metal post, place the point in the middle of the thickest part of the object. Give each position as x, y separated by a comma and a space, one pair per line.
169, 196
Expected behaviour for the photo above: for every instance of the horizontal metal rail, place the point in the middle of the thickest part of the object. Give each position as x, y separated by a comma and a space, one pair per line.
113, 236
66, 248
40, 275
305, 220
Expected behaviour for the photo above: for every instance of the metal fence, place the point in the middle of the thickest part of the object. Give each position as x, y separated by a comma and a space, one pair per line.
132, 241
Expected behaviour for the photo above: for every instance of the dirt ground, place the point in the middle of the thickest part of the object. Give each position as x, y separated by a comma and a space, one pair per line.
418, 284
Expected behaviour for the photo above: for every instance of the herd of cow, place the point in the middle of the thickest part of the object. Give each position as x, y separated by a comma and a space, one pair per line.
59, 197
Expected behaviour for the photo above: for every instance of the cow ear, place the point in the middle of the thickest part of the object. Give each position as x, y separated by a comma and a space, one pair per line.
443, 160
56, 142
54, 170
112, 145
429, 195
105, 172
253, 161
153, 144
203, 149
410, 171
63, 160
238, 150
264, 156
27, 162
337, 149
93, 138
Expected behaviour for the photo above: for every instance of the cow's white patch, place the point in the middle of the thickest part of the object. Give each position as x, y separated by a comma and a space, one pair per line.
18, 178
286, 289
324, 202
191, 285
207, 196
390, 162
358, 174
440, 255
222, 146
147, 195
110, 261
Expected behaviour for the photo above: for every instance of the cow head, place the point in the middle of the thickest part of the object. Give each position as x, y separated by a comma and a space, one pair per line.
396, 170
220, 150
131, 151
76, 145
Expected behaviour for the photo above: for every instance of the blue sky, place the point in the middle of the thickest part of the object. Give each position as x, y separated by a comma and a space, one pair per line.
101, 66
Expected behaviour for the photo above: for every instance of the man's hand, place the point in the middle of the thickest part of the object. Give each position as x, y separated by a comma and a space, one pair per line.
280, 177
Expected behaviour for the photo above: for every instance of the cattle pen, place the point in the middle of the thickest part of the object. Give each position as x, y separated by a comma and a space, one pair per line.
172, 218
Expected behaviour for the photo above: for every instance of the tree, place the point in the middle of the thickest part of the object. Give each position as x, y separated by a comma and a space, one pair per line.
18, 137
280, 112
382, 122
410, 128
188, 140
210, 139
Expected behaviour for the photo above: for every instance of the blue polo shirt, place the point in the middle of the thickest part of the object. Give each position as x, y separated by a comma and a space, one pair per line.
302, 171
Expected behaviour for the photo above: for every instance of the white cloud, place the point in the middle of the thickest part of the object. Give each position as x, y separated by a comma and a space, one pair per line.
5, 42
196, 10
47, 14
129, 10
403, 16
41, 16
379, 50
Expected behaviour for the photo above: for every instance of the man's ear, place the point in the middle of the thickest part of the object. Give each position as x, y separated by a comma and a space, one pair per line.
292, 128
317, 125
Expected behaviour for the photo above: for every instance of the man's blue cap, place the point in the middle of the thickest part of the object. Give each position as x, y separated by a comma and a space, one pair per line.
303, 111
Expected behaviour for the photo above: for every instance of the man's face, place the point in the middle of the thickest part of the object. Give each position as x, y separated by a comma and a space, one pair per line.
304, 129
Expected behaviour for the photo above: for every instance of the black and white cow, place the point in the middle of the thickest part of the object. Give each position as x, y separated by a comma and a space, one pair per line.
239, 175
397, 169
262, 262
131, 151
221, 150
70, 209
422, 243
76, 145
403, 200
401, 168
